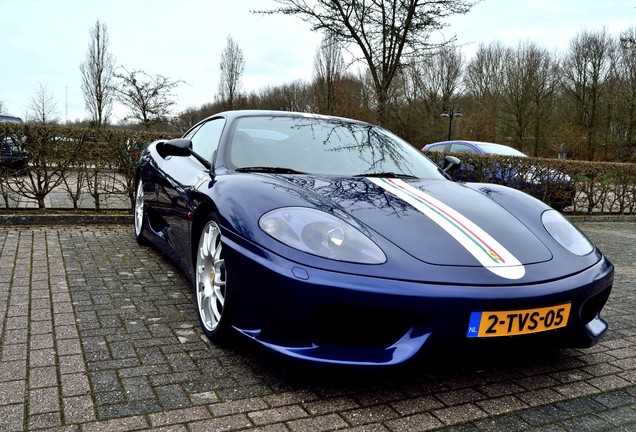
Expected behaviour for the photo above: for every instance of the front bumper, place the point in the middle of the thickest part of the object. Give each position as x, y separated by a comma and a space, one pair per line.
331, 317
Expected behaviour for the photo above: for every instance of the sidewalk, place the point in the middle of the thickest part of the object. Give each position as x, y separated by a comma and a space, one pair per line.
100, 334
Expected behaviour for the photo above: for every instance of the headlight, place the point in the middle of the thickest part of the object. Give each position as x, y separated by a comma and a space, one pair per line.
321, 234
565, 233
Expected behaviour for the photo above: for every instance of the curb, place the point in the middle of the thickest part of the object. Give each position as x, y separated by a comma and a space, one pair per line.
65, 219
126, 219
601, 218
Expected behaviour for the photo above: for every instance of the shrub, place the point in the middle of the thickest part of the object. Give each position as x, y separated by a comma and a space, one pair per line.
578, 187
95, 162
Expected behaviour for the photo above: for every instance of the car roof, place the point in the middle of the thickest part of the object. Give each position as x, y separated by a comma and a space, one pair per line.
10, 119
477, 144
243, 113
234, 114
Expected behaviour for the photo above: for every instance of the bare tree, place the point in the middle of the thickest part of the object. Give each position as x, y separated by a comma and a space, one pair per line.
329, 69
97, 76
42, 107
1, 107
232, 66
294, 96
383, 31
149, 99
440, 77
528, 88
626, 72
587, 67
434, 84
484, 82
544, 97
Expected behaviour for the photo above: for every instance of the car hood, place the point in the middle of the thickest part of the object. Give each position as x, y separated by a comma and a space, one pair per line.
437, 223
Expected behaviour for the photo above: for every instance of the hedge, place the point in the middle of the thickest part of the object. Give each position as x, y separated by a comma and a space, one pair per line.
83, 162
575, 187
101, 163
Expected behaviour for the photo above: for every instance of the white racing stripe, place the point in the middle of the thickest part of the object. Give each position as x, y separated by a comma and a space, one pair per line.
488, 251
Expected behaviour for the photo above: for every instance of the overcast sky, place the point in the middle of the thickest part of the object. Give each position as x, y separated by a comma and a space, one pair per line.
44, 41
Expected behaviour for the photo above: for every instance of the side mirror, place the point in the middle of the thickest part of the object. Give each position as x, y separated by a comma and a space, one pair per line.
183, 147
177, 147
451, 163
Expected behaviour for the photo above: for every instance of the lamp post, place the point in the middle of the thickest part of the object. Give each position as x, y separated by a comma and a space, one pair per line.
450, 113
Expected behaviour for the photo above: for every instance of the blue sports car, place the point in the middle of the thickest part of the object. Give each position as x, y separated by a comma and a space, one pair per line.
333, 240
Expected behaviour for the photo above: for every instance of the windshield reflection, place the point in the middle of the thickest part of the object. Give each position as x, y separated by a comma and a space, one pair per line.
315, 145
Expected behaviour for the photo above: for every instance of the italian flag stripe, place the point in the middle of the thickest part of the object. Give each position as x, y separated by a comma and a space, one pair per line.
489, 252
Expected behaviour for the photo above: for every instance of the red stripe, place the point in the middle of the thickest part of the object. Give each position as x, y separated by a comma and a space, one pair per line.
447, 215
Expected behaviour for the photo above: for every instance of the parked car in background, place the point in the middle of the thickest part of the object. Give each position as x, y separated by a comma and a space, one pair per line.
555, 187
474, 147
12, 154
10, 119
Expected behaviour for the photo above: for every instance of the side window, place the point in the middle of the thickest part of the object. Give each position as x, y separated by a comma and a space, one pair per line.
461, 148
437, 149
205, 139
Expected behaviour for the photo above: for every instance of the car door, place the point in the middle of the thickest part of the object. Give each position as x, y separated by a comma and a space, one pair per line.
182, 174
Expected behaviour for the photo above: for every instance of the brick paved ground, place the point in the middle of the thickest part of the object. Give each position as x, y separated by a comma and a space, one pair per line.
99, 334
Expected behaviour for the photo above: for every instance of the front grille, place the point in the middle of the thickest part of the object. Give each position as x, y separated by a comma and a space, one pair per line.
364, 327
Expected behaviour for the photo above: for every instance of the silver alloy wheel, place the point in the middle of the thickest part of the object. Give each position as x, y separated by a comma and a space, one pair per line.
210, 277
139, 209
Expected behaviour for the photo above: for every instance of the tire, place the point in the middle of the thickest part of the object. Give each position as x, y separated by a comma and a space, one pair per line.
139, 216
210, 288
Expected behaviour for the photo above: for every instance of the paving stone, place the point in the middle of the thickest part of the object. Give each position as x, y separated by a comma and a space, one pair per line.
75, 384
338, 404
275, 415
417, 422
117, 425
12, 392
172, 397
510, 423
501, 405
12, 417
78, 409
220, 424
459, 414
373, 414
415, 405
44, 421
128, 409
586, 423
43, 400
325, 422
238, 406
40, 377
170, 417
545, 415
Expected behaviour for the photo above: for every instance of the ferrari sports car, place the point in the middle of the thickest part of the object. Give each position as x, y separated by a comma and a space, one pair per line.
333, 240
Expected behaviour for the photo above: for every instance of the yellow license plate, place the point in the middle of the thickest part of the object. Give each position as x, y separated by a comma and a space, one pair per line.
517, 322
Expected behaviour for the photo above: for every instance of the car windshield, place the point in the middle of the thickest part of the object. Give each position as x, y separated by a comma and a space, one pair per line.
318, 145
500, 150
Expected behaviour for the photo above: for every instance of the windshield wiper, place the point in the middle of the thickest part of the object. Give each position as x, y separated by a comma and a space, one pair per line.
270, 170
387, 174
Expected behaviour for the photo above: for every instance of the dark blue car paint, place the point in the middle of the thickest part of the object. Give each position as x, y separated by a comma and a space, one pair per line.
281, 291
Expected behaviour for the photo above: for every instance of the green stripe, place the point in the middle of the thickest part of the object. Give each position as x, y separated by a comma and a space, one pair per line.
459, 228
